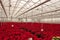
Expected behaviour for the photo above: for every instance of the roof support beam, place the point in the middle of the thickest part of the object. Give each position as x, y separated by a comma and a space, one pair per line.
9, 6
41, 14
44, 13
23, 7
34, 7
3, 7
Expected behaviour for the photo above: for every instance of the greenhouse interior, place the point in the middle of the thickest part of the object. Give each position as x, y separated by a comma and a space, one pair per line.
29, 20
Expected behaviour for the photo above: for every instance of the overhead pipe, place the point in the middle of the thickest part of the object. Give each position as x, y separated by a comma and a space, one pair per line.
45, 13
3, 8
34, 7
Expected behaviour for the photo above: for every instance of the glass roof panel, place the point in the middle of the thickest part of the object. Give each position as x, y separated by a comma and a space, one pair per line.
35, 0
26, 8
